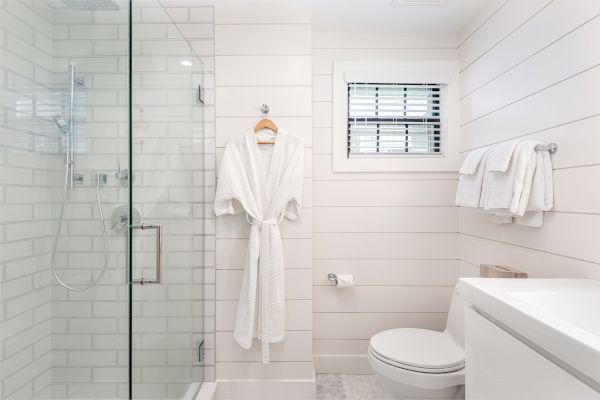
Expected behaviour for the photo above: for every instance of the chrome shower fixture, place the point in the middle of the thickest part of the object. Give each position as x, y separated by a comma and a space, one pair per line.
61, 123
91, 4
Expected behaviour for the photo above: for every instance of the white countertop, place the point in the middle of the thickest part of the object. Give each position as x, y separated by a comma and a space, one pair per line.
558, 317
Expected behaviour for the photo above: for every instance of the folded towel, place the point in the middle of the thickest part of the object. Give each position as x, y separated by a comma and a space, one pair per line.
471, 180
542, 185
500, 156
541, 193
471, 163
512, 181
505, 192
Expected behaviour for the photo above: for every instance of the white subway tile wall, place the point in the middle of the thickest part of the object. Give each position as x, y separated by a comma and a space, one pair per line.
29, 174
263, 55
395, 232
74, 344
534, 66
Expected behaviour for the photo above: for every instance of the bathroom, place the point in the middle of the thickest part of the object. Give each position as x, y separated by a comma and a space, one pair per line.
172, 171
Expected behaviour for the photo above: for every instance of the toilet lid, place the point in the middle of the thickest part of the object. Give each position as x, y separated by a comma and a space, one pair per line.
419, 348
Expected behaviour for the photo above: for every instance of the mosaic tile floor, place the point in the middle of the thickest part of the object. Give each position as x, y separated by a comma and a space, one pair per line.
350, 387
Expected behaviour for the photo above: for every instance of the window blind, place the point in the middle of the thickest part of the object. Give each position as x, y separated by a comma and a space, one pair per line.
394, 119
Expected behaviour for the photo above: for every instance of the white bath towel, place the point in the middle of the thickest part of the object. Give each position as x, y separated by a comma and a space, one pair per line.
541, 196
472, 161
504, 193
500, 155
524, 190
471, 179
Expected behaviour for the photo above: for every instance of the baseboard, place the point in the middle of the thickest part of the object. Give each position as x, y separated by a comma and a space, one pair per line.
342, 364
266, 389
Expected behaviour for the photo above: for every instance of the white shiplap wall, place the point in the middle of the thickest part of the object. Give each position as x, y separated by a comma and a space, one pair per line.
396, 232
532, 69
263, 55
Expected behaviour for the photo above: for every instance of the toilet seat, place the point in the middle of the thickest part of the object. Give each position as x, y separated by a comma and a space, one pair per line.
418, 350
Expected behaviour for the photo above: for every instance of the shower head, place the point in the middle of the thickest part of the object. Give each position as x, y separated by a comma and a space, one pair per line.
91, 4
61, 123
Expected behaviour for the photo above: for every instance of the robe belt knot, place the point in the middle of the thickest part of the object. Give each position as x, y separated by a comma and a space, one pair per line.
259, 223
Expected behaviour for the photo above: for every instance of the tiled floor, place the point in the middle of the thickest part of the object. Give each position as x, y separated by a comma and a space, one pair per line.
350, 387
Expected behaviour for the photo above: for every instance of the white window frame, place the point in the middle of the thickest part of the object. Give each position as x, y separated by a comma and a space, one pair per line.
444, 72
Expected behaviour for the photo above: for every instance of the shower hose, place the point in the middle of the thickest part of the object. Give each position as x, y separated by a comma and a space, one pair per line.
57, 236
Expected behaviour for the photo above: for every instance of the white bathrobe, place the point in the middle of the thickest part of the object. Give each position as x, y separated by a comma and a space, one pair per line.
266, 182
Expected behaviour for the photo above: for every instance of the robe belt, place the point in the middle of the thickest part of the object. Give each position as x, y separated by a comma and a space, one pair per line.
264, 258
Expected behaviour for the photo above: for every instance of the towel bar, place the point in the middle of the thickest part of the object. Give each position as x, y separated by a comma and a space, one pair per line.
551, 148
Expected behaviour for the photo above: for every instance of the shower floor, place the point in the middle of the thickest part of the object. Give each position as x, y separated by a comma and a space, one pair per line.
350, 387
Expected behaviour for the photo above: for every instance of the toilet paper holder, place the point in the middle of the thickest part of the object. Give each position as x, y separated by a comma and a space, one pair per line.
332, 278
341, 280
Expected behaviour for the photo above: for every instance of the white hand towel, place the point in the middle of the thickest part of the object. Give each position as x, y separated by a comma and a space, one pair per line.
498, 160
472, 161
470, 183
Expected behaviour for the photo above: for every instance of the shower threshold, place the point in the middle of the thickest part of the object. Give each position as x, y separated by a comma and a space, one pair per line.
201, 391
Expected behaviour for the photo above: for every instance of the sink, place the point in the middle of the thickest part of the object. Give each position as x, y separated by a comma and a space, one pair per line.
570, 308
559, 318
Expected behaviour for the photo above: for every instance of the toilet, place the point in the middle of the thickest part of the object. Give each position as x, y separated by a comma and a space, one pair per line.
421, 363
424, 364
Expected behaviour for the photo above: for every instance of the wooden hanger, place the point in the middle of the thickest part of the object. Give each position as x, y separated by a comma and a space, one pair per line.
266, 123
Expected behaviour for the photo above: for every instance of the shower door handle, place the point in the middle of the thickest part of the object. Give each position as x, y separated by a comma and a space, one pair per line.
158, 229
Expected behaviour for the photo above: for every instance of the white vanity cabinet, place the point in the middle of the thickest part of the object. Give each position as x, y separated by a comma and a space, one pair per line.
500, 366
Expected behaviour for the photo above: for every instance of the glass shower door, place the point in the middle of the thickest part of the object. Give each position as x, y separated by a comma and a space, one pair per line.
166, 151
101, 144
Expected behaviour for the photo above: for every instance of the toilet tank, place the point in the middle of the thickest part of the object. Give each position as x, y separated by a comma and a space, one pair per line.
455, 325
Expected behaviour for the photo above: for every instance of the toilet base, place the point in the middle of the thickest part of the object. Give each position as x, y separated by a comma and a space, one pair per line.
403, 391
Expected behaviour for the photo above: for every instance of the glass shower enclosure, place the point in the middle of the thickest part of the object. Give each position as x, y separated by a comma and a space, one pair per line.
101, 202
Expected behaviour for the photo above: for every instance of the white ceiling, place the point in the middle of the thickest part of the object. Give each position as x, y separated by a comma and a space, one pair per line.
378, 16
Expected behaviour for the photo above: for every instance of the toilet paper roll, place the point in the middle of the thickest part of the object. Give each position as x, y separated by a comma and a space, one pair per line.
345, 280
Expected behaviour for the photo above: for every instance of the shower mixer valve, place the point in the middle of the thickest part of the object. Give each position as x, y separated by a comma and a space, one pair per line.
123, 175
78, 179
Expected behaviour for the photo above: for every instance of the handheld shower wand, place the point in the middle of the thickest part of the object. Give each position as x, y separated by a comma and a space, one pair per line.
68, 130
70, 135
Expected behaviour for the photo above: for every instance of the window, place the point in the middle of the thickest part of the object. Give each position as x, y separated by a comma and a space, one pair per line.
394, 116
394, 119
